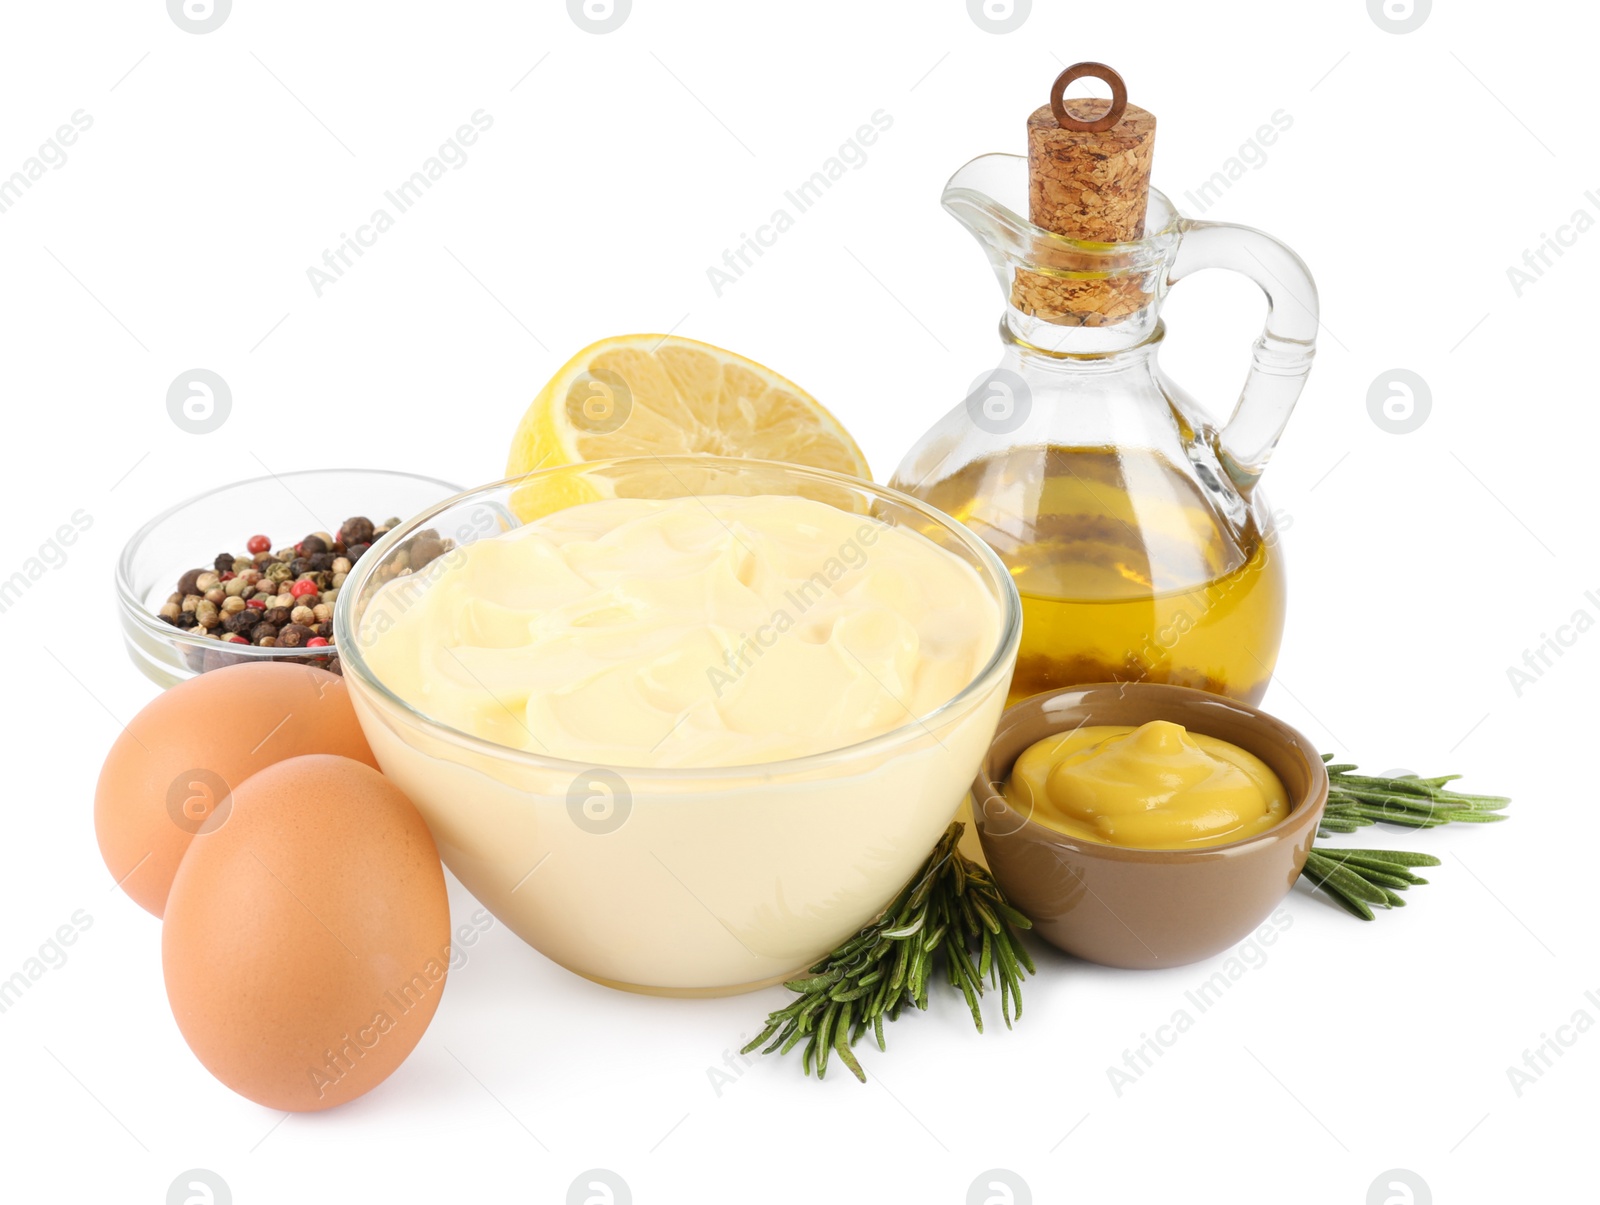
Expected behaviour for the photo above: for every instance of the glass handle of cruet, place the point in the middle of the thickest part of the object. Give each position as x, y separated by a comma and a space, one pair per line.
1282, 355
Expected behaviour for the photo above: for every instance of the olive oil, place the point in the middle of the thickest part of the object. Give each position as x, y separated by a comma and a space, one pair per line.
1127, 571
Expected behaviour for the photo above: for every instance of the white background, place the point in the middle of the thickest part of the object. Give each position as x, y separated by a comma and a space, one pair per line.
1418, 168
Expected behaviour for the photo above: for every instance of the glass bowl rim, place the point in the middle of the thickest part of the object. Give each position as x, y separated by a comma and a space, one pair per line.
354, 663
134, 606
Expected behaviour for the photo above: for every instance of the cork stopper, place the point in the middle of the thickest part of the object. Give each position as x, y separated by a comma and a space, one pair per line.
1088, 179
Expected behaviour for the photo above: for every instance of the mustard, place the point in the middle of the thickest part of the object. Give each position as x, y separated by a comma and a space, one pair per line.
1157, 786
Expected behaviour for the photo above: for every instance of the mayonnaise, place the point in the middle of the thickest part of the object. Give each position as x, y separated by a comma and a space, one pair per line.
703, 632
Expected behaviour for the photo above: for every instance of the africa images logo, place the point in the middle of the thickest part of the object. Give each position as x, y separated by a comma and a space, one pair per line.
599, 1186
198, 16
1399, 1186
999, 1186
199, 1186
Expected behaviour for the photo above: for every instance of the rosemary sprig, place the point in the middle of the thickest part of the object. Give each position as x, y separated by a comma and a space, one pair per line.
951, 910
1358, 800
1361, 879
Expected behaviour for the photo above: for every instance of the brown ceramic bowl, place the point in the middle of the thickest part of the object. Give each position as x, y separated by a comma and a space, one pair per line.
1146, 908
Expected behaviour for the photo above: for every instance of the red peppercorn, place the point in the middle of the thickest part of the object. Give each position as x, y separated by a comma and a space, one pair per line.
235, 638
260, 604
316, 642
259, 544
228, 576
302, 588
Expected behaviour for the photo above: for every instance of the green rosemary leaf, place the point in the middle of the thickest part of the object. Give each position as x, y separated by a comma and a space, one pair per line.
1375, 875
1011, 915
969, 915
924, 889
1414, 786
858, 942
1391, 857
1008, 985
1397, 816
886, 990
1339, 825
825, 1039
1488, 803
1349, 902
965, 984
1358, 907
990, 920
902, 967
773, 1026
1346, 880
907, 930
1020, 954
846, 1055
811, 983
1372, 865
919, 973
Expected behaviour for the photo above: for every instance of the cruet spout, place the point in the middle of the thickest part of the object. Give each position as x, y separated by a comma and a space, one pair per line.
1073, 298
1063, 294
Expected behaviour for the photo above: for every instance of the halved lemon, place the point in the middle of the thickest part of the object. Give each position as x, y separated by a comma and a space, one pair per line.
643, 395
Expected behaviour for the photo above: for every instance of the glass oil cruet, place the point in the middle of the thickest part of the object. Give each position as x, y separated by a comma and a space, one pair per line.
1131, 523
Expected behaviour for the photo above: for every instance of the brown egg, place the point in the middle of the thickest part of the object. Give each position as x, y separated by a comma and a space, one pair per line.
170, 772
307, 940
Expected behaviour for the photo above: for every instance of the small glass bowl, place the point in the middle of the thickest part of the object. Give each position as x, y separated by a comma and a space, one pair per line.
285, 507
678, 882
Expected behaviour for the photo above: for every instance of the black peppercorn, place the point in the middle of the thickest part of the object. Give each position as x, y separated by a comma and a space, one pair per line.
223, 562
186, 619
292, 636
312, 545
355, 552
263, 631
241, 621
322, 562
188, 582
356, 530
325, 630
300, 564
277, 616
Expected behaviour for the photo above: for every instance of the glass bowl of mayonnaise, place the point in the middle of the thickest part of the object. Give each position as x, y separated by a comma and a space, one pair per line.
683, 724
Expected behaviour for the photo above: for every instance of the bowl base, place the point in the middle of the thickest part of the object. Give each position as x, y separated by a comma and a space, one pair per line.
695, 993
